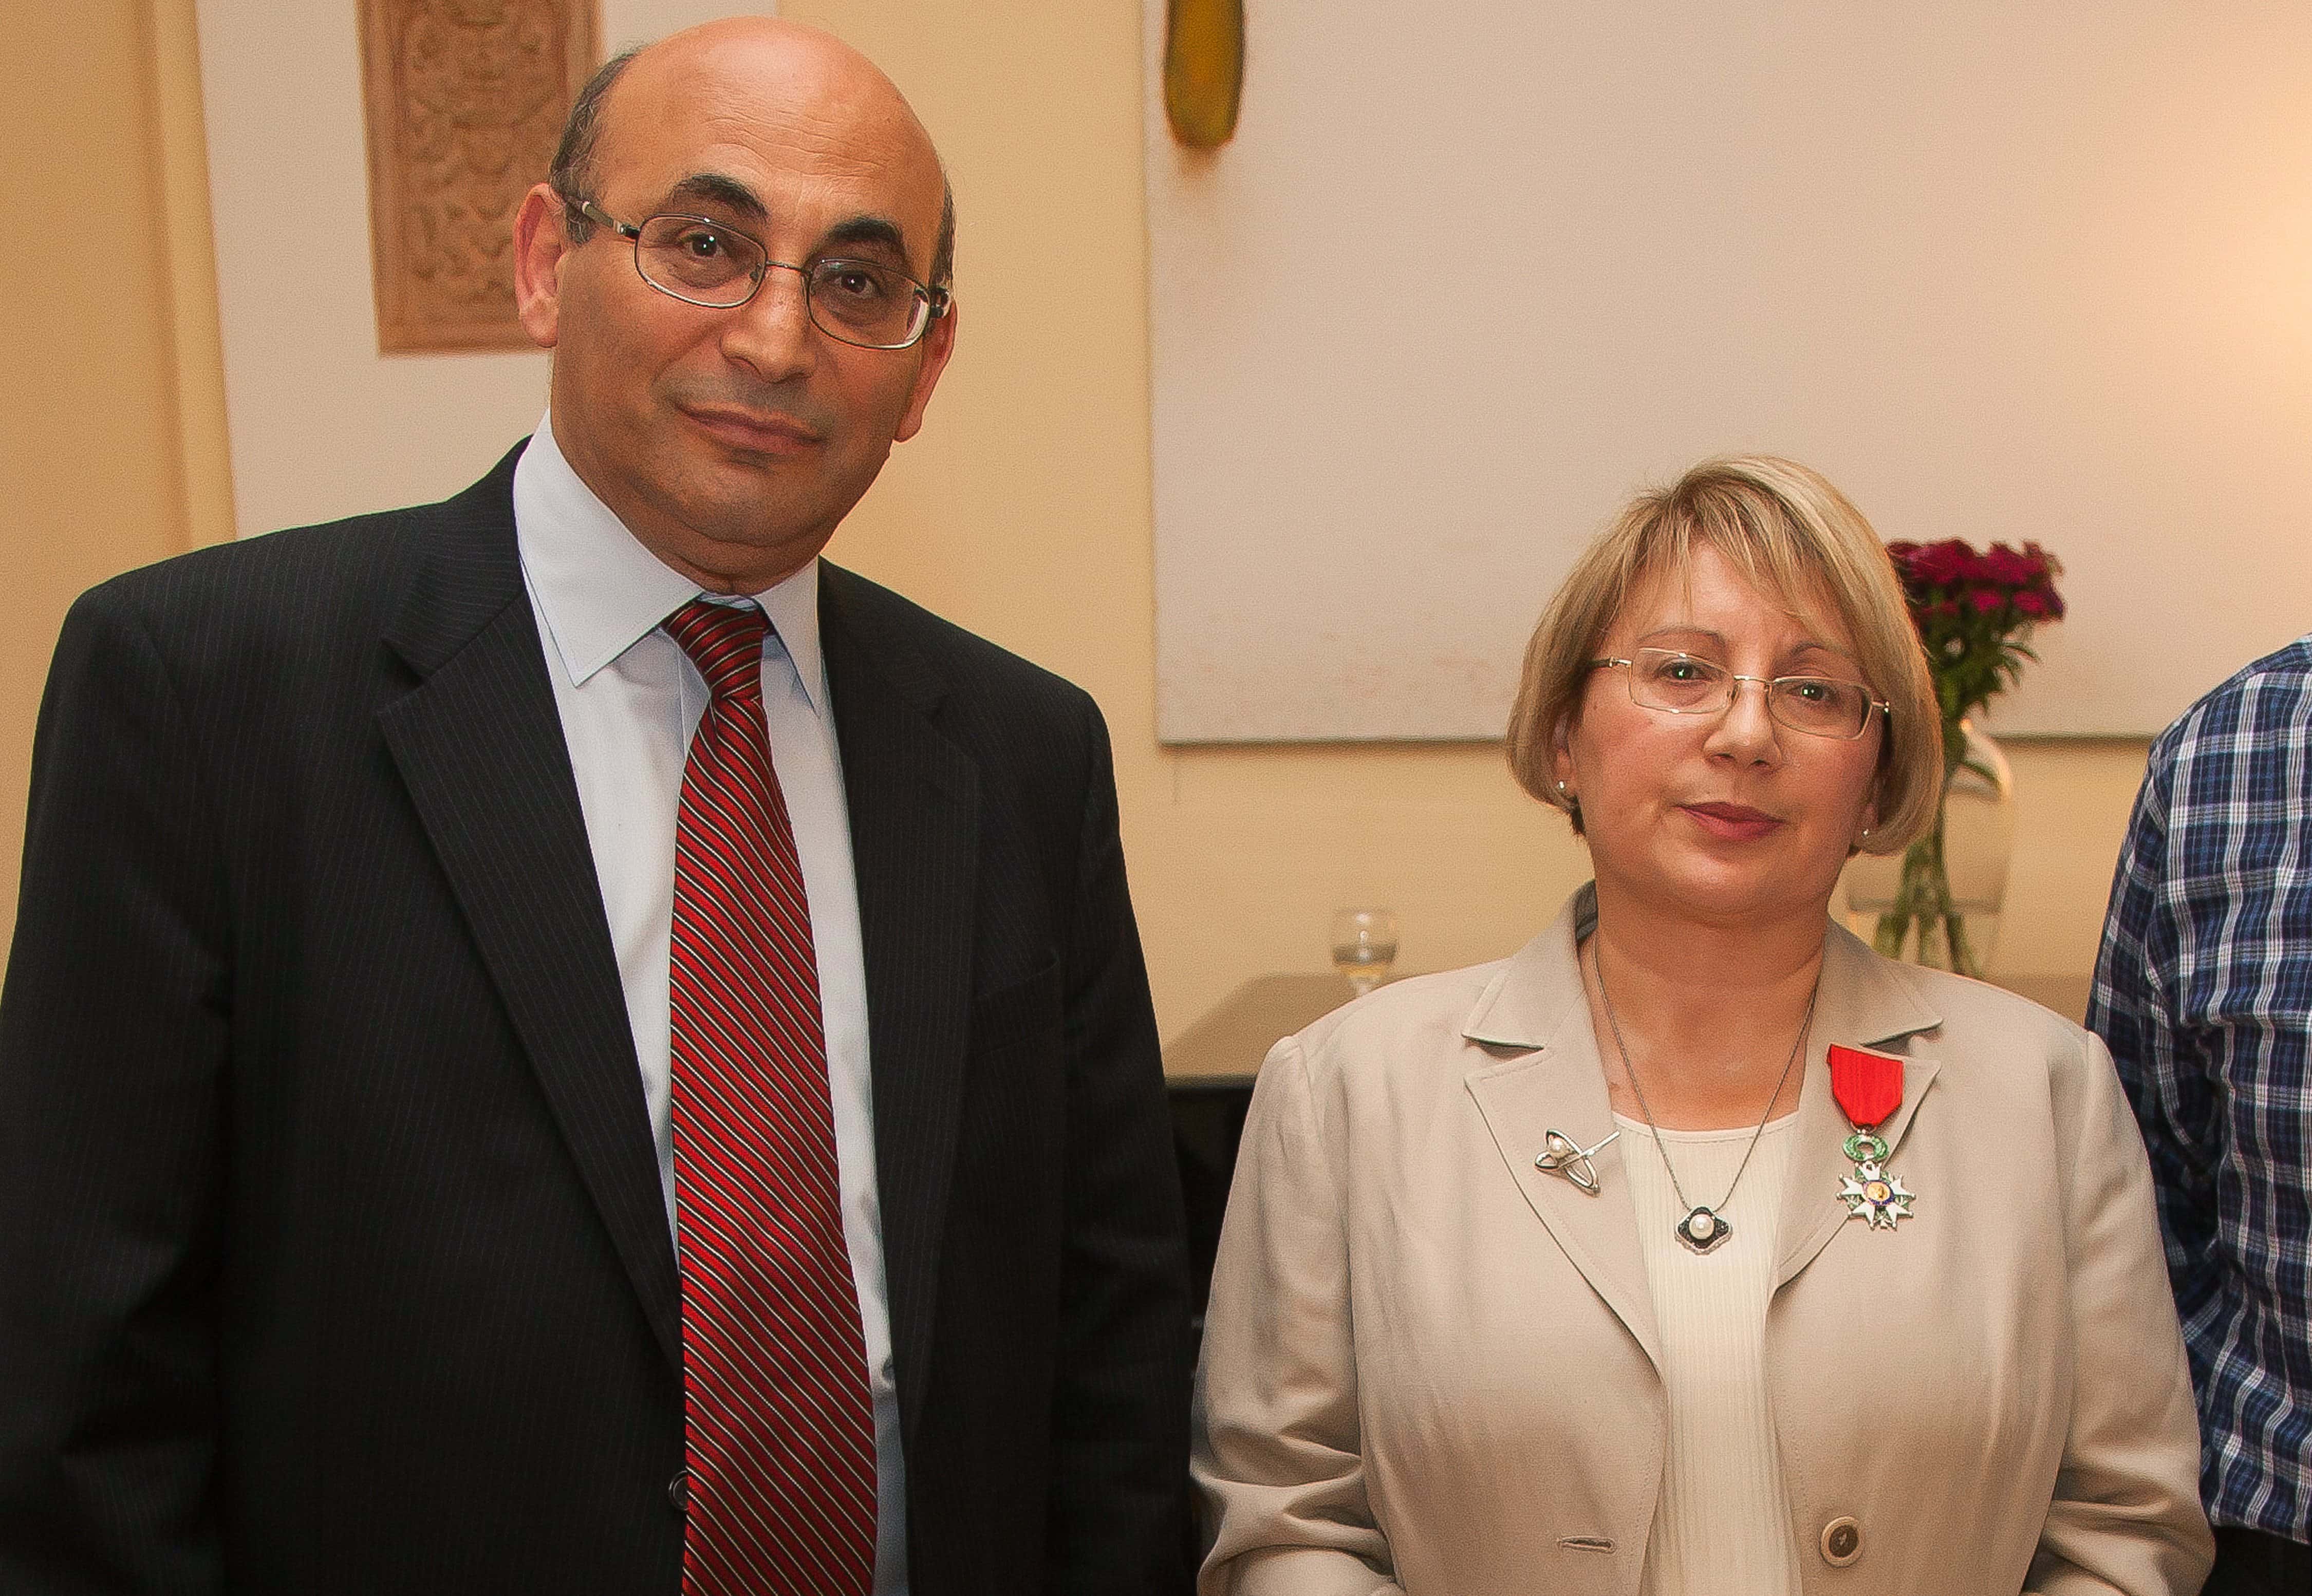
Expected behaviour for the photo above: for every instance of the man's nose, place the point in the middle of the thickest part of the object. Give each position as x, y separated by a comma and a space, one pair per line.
772, 333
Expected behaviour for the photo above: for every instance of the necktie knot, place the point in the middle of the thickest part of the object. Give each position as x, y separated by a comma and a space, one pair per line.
725, 643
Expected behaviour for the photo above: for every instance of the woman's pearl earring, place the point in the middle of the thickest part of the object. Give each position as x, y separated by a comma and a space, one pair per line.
1566, 793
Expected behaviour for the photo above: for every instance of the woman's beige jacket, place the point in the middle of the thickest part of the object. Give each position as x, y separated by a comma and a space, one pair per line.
1429, 1364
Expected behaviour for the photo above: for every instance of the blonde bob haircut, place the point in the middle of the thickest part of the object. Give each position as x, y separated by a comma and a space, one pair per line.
1792, 536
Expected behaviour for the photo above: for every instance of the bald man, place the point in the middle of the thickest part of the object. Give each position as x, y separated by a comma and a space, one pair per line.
555, 1042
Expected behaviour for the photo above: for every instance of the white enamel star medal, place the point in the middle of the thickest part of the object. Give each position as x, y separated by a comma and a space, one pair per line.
1869, 1087
1872, 1195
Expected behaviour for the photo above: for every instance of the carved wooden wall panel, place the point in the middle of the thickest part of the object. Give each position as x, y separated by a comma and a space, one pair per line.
464, 100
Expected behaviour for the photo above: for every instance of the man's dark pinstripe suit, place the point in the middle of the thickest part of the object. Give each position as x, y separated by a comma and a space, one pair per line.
333, 1256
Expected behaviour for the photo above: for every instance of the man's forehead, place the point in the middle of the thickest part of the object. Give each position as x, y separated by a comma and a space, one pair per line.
767, 115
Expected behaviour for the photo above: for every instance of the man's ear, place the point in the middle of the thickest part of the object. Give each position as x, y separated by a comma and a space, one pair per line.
939, 342
539, 244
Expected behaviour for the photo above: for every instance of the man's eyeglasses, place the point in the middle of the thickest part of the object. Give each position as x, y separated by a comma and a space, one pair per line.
702, 262
1679, 684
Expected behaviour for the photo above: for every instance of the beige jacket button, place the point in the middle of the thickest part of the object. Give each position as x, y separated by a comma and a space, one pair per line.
1842, 1542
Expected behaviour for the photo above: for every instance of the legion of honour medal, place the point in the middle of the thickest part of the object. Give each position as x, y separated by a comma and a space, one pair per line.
1869, 1087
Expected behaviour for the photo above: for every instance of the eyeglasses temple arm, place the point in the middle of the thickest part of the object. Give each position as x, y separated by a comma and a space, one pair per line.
602, 218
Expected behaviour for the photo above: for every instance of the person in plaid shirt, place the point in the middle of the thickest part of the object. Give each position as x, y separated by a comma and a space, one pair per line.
2204, 992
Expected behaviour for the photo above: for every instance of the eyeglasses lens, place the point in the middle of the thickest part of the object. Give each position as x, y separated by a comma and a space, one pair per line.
697, 261
865, 303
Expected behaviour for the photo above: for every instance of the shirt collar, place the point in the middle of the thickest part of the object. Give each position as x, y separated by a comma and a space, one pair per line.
598, 591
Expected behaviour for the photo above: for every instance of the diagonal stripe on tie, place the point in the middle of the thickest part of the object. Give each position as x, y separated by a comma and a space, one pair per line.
778, 1422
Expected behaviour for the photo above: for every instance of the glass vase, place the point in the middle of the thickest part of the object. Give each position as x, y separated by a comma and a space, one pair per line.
1938, 903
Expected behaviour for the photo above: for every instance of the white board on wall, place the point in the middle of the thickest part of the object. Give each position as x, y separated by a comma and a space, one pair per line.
321, 424
1472, 271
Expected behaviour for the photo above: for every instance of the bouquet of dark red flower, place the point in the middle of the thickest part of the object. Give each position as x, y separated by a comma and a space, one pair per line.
1974, 612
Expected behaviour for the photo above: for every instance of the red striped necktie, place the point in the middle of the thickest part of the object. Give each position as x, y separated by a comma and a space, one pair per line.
778, 1423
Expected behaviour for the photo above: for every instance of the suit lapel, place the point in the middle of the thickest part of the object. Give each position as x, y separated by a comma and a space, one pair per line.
1865, 1002
914, 802
478, 742
1550, 1079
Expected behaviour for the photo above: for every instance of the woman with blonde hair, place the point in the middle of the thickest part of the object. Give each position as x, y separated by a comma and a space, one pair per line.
1695, 1247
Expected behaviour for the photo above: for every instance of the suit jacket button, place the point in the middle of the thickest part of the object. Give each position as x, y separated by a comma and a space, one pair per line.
1842, 1542
678, 1491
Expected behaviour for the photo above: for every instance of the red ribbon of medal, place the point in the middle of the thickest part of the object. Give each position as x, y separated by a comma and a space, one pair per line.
1869, 1087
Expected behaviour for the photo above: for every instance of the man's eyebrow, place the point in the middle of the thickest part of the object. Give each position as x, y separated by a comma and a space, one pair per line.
877, 231
713, 188
728, 194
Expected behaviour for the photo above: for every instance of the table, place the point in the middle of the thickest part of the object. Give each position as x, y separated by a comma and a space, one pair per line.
1228, 1043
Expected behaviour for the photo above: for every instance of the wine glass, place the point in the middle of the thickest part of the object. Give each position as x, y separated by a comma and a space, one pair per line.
1364, 946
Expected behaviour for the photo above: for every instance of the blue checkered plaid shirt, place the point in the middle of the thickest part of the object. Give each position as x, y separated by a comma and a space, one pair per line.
2204, 993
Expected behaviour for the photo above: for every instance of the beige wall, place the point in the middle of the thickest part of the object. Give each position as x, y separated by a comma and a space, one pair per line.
91, 432
1022, 511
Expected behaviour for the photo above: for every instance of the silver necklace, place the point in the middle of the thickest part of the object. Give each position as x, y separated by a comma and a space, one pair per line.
1704, 1228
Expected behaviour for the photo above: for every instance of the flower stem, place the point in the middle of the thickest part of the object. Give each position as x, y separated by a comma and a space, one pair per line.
1923, 906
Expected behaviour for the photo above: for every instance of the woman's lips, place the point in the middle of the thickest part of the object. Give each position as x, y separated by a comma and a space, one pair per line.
1732, 821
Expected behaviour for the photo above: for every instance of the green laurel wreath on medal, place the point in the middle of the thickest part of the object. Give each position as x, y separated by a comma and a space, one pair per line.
1871, 1194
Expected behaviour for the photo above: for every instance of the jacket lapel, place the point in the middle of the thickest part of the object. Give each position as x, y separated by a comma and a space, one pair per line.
478, 742
1548, 1078
914, 800
1866, 1001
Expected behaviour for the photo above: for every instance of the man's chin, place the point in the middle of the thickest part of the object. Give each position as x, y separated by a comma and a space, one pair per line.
736, 552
